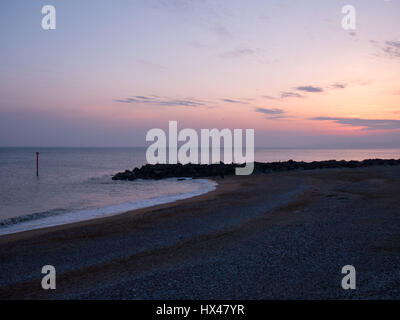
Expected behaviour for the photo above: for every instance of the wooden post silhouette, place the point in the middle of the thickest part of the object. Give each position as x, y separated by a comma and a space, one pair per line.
37, 164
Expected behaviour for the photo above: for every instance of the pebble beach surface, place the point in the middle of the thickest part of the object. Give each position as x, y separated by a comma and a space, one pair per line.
282, 235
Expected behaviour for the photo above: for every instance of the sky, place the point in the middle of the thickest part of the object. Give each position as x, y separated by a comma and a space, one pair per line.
112, 70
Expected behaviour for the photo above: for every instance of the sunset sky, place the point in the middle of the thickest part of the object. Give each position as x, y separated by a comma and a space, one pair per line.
112, 70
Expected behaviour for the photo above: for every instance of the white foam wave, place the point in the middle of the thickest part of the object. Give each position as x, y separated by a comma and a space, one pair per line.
94, 213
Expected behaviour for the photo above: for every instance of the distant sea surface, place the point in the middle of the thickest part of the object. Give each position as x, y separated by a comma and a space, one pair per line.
74, 184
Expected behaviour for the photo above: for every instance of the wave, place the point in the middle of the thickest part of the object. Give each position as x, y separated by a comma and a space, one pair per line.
61, 216
31, 216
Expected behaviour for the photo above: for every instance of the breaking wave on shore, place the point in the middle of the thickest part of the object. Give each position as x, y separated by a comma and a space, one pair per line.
62, 216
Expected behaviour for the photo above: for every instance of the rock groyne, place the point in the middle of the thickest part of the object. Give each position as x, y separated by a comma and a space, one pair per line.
163, 171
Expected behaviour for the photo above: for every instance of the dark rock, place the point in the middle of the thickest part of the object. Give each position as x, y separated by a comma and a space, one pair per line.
162, 171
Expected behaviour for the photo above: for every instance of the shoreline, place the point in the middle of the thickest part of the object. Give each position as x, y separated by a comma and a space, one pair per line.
205, 172
283, 235
213, 185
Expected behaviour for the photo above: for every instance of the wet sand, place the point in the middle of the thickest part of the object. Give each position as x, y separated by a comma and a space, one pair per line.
283, 235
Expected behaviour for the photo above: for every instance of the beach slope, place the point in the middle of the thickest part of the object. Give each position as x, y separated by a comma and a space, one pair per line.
283, 235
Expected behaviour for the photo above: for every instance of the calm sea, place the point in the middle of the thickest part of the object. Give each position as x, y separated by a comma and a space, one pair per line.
75, 183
